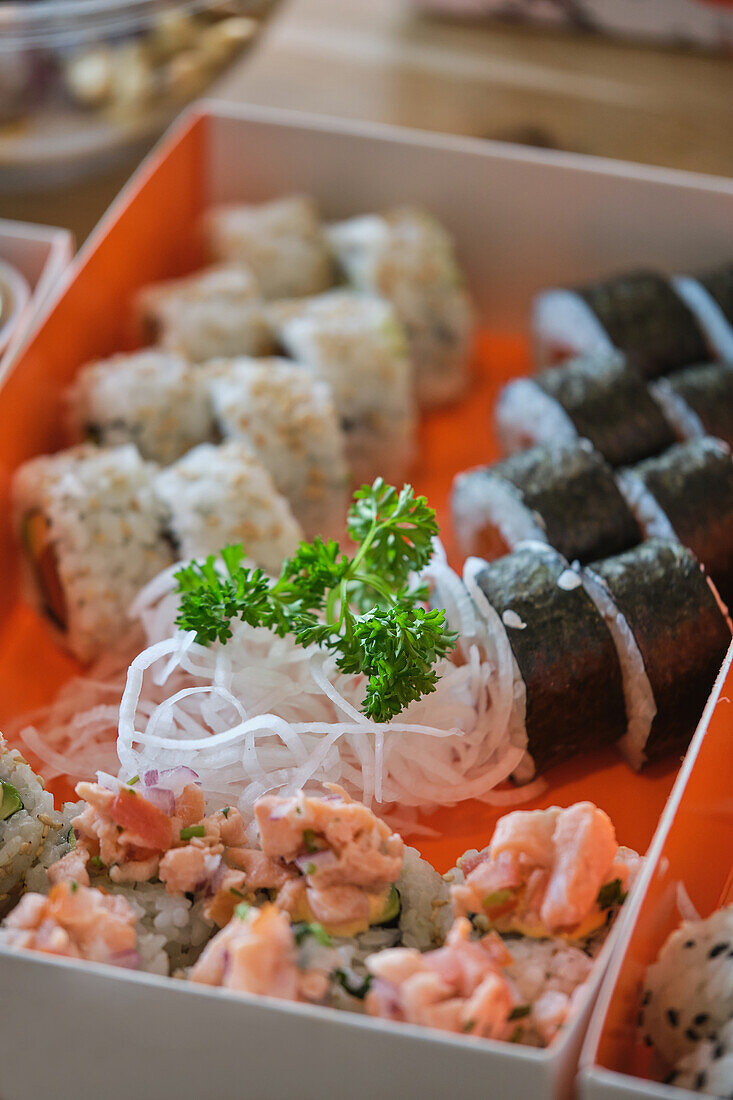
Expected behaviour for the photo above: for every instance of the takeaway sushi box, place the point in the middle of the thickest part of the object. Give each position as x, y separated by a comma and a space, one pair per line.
274, 311
32, 260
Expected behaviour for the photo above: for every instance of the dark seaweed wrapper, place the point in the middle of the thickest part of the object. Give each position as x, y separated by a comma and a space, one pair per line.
610, 405
572, 491
708, 391
719, 285
647, 320
565, 654
679, 629
693, 485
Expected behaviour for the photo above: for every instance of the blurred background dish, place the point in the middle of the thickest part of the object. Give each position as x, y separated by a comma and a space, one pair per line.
86, 83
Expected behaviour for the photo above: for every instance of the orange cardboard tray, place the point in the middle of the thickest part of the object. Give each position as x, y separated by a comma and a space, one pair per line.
693, 851
517, 231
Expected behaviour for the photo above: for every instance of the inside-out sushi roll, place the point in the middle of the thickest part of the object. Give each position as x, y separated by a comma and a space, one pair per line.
217, 311
281, 242
671, 637
356, 344
594, 397
407, 256
564, 495
568, 688
220, 495
698, 401
287, 417
688, 991
91, 533
640, 314
687, 493
709, 296
150, 398
28, 822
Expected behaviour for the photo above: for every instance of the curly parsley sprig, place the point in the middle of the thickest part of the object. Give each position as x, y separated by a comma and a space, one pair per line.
365, 608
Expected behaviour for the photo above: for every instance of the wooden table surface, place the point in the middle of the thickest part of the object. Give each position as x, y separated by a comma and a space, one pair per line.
381, 60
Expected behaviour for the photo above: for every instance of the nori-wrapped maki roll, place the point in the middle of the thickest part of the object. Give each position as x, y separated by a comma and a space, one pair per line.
641, 314
564, 495
687, 493
671, 636
565, 656
699, 401
593, 397
710, 297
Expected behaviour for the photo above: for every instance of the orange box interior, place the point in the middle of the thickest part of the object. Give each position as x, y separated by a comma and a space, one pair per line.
149, 235
697, 854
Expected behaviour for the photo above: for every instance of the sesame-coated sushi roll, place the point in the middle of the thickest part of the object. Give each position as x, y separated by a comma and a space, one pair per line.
90, 528
356, 344
640, 314
564, 495
281, 242
568, 688
28, 821
698, 401
407, 256
708, 1068
710, 297
217, 311
219, 495
593, 397
671, 636
688, 991
287, 416
150, 398
687, 494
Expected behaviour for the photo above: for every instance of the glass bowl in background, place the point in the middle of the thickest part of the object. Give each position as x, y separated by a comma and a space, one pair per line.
85, 83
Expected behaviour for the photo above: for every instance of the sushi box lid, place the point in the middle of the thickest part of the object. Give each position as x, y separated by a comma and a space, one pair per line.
39, 254
523, 219
688, 869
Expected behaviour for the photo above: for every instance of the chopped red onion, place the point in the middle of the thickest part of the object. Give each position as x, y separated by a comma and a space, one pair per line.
130, 959
321, 860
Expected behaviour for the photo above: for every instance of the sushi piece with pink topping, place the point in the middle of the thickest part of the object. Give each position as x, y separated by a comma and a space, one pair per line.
77, 922
257, 953
554, 872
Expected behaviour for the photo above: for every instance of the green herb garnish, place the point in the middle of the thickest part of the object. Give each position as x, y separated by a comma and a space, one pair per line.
225, 811
358, 990
611, 894
519, 1011
302, 929
71, 838
73, 886
131, 782
468, 1026
242, 910
237, 893
10, 800
96, 861
192, 830
310, 868
309, 839
365, 609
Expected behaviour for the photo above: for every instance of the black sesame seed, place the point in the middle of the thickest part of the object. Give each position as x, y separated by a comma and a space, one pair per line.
701, 1018
673, 1016
701, 1080
670, 1078
718, 1052
718, 950
689, 943
692, 1035
648, 1041
647, 997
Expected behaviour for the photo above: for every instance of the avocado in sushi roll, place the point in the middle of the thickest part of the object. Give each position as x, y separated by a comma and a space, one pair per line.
28, 822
